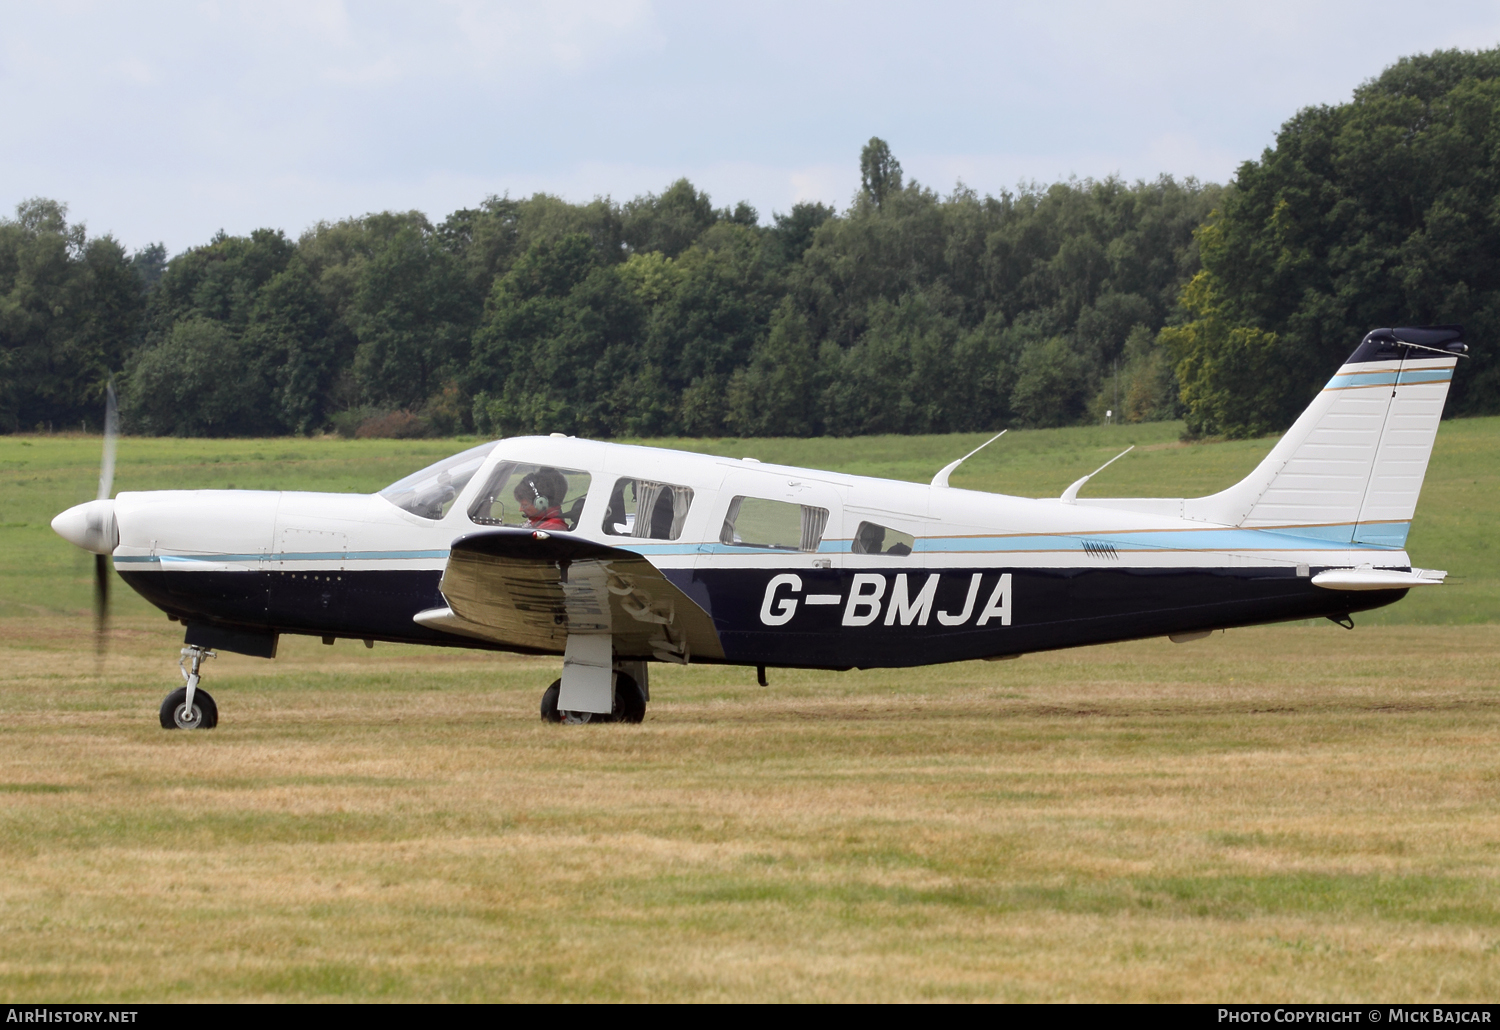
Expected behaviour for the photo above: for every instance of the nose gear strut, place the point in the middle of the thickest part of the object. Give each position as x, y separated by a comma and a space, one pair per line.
189, 707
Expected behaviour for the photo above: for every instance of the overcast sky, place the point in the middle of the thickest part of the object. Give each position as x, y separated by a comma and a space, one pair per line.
169, 121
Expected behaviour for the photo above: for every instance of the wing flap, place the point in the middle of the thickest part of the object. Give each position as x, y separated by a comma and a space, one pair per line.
532, 590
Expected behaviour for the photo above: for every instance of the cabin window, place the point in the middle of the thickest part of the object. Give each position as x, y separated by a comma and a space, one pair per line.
757, 522
873, 539
526, 496
432, 491
642, 508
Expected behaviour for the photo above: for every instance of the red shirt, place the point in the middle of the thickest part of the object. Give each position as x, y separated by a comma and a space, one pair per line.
552, 520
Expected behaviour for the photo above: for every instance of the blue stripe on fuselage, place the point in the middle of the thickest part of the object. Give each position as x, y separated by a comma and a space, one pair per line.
1378, 536
219, 559
1288, 538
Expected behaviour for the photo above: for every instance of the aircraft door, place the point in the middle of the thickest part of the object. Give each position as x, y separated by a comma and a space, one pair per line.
770, 571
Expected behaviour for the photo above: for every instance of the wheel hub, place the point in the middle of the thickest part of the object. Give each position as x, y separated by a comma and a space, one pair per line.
185, 719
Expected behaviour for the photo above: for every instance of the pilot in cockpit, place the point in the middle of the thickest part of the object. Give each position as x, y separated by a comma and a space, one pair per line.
871, 540
540, 495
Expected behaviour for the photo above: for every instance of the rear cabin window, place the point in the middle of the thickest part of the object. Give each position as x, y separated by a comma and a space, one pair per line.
525, 496
874, 539
779, 525
642, 508
432, 491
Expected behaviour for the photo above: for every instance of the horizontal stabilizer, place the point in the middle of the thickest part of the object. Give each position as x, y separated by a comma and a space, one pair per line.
1366, 578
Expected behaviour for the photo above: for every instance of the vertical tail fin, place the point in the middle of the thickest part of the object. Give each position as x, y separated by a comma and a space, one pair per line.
1351, 467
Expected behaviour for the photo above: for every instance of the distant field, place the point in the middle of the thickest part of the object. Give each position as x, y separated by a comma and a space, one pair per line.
42, 475
1282, 813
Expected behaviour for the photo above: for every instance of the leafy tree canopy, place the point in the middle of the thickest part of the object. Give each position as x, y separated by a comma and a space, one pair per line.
1379, 212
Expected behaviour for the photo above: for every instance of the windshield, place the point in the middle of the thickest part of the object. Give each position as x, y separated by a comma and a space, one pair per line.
431, 492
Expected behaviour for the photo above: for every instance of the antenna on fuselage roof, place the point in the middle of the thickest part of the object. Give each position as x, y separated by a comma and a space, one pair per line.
941, 479
1070, 495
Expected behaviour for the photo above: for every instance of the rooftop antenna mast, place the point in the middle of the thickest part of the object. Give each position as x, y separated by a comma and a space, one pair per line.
941, 479
1070, 495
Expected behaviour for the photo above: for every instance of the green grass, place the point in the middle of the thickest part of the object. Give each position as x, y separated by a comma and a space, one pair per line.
1280, 813
1287, 813
42, 475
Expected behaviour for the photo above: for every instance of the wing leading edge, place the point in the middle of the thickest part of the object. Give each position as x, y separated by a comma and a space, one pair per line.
532, 590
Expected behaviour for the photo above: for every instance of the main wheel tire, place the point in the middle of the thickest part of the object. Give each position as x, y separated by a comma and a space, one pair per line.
549, 702
630, 700
551, 713
175, 716
630, 704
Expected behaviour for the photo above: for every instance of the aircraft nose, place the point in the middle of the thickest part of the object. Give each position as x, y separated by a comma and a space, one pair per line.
91, 526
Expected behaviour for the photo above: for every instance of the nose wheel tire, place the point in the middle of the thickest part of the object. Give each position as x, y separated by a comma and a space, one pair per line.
175, 714
630, 704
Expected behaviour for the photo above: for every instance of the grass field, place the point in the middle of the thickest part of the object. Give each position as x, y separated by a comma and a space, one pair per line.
1294, 812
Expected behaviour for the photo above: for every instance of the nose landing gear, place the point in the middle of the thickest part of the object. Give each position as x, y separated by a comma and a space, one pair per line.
187, 707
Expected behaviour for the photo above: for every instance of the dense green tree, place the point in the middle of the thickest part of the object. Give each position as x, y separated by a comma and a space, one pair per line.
200, 379
897, 378
1051, 380
219, 281
253, 300
1235, 379
793, 232
69, 313
490, 238
291, 349
1382, 211
879, 171
413, 313
1103, 326
557, 344
150, 264
775, 393
910, 311
1145, 387
670, 222
704, 329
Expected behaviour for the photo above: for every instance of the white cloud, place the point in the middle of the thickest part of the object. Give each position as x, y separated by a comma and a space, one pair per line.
566, 35
170, 121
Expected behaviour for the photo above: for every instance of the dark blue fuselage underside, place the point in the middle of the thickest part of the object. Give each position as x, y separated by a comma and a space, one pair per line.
1050, 609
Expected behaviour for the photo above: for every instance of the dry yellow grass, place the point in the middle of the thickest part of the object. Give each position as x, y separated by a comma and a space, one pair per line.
1286, 813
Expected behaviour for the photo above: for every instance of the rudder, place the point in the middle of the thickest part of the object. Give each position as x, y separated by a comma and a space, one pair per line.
1351, 467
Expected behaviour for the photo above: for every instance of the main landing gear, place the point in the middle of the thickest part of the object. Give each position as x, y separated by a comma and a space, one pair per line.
188, 707
629, 704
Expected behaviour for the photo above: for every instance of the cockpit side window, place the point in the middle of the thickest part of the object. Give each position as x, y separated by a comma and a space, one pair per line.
641, 508
526, 496
873, 539
432, 491
780, 525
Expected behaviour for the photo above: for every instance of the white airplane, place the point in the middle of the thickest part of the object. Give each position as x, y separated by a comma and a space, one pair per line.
615, 556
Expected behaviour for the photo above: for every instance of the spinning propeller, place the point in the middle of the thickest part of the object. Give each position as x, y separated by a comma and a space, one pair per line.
106, 485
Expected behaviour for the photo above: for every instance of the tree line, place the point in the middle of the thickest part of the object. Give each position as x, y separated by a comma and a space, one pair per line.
910, 311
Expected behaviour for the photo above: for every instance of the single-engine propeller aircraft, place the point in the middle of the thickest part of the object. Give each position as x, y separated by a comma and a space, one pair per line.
616, 556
